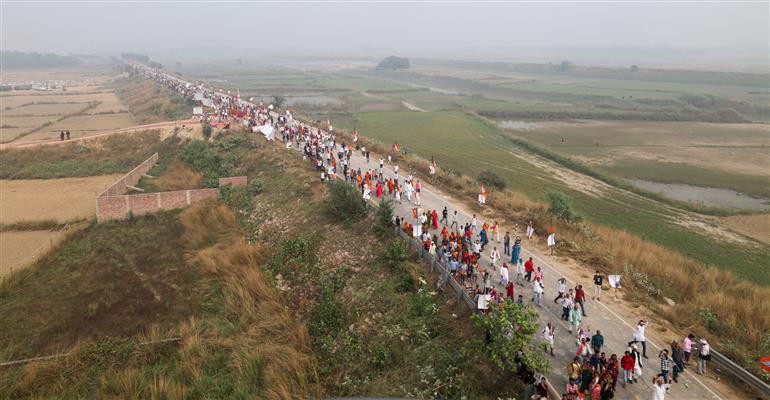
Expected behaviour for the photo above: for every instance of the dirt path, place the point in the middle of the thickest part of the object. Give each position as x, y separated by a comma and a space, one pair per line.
409, 106
138, 128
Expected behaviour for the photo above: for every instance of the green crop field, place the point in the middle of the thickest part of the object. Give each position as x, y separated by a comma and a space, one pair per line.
469, 146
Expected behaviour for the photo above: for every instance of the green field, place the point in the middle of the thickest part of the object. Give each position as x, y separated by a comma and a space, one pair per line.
467, 145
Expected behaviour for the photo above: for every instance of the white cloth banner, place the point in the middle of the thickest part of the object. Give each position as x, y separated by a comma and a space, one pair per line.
614, 281
265, 130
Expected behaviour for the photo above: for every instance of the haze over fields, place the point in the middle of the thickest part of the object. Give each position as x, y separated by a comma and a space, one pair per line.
724, 34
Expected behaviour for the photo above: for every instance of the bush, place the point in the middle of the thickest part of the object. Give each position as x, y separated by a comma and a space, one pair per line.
396, 253
202, 157
206, 129
560, 205
490, 179
383, 224
254, 187
345, 203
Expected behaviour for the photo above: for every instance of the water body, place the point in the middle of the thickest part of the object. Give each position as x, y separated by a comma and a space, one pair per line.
315, 100
518, 125
709, 197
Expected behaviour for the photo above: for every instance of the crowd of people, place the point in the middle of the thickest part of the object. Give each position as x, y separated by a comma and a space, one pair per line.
595, 370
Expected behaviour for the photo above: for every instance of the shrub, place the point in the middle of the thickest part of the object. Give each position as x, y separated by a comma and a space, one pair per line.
254, 187
560, 205
345, 203
202, 157
206, 129
491, 179
396, 253
383, 224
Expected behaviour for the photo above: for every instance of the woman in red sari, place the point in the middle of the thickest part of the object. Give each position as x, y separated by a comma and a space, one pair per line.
434, 219
379, 190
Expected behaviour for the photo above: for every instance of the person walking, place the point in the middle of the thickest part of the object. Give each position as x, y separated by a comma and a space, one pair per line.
575, 318
549, 335
665, 365
504, 275
444, 215
566, 305
638, 364
659, 388
529, 268
704, 355
677, 357
68, 134
639, 336
561, 284
687, 343
61, 135
598, 280
597, 341
627, 364
538, 289
507, 244
530, 230
580, 298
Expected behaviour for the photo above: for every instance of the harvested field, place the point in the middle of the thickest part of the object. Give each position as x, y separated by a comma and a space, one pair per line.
19, 249
81, 125
755, 226
8, 134
27, 122
46, 109
50, 199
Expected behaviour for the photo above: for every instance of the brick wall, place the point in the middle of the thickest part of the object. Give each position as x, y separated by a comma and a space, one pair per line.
119, 207
234, 181
109, 207
130, 179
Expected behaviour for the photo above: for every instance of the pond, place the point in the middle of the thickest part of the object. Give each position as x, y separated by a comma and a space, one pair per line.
518, 125
312, 99
704, 196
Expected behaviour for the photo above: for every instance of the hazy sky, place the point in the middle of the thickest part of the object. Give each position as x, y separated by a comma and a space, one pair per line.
429, 29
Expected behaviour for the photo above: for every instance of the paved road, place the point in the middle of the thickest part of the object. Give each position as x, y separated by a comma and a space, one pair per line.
616, 331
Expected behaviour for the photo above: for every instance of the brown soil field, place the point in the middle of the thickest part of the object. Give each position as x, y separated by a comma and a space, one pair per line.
81, 125
62, 200
27, 122
46, 109
19, 249
15, 101
756, 226
738, 148
8, 134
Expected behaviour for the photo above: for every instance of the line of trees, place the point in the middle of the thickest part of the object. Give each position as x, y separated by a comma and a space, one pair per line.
19, 59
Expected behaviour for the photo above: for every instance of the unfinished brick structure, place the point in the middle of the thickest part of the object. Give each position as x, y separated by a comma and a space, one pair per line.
113, 203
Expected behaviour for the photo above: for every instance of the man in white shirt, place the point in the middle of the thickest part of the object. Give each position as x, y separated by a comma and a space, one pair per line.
495, 255
639, 336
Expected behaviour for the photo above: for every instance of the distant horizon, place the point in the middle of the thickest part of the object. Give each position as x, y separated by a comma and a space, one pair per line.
729, 35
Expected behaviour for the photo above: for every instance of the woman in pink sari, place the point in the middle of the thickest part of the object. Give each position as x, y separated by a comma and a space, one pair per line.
379, 190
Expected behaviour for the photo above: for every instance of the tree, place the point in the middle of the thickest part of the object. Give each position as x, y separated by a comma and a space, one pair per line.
634, 68
383, 224
278, 101
345, 202
564, 66
560, 205
491, 179
394, 62
508, 330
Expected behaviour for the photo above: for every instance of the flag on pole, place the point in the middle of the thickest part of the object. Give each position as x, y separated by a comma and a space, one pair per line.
396, 147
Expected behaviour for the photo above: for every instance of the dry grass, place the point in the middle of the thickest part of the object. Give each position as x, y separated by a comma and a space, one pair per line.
178, 176
743, 308
205, 222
